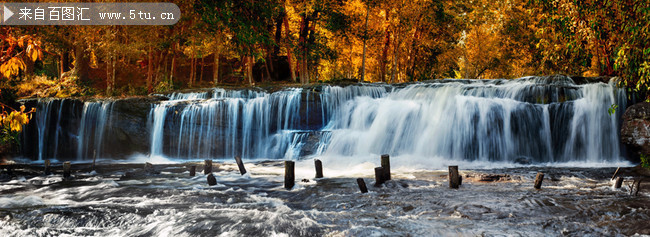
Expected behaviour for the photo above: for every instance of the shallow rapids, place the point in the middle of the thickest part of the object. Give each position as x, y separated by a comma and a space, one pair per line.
572, 201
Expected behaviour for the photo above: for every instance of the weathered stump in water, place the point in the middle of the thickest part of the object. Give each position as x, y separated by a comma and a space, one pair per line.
289, 174
319, 168
385, 163
619, 182
638, 186
94, 158
240, 164
47, 171
212, 180
538, 180
66, 169
454, 178
379, 176
362, 185
192, 171
207, 167
148, 168
10, 169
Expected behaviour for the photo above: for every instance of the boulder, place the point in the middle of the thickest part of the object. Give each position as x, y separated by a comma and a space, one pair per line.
635, 130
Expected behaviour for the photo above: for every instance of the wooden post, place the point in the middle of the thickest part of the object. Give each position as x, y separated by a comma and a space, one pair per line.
289, 175
454, 180
94, 158
362, 185
379, 176
9, 169
538, 180
240, 164
385, 163
619, 182
319, 168
66, 169
192, 171
460, 180
207, 168
212, 180
47, 168
148, 168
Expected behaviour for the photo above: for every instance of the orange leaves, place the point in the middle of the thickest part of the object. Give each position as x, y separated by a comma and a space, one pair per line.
15, 51
12, 67
15, 120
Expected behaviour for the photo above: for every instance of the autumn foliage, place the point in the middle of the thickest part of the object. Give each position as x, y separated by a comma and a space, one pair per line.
392, 41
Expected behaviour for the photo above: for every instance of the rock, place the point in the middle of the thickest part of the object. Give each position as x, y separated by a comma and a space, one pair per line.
523, 160
494, 177
408, 208
635, 130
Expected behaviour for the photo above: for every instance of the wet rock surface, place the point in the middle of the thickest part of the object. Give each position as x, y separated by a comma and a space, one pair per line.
635, 130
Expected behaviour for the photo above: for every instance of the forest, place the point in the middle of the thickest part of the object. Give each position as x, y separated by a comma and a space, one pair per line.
289, 41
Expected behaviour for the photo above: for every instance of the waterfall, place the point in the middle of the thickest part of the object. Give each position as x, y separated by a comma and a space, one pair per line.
530, 119
496, 120
95, 120
42, 119
225, 124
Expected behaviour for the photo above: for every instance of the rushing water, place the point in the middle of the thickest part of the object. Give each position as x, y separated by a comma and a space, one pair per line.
514, 127
527, 120
572, 201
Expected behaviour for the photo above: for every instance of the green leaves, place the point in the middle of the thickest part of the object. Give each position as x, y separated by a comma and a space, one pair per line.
612, 109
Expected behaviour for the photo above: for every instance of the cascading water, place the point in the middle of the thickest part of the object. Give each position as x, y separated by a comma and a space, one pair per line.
531, 120
95, 120
476, 124
67, 129
483, 121
225, 124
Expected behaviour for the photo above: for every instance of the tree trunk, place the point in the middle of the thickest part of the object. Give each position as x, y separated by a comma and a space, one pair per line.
215, 68
288, 46
394, 73
202, 68
113, 75
110, 73
365, 36
150, 71
191, 81
249, 69
310, 41
384, 54
172, 70
159, 63
109, 90
302, 41
414, 52
82, 62
64, 63
270, 68
278, 32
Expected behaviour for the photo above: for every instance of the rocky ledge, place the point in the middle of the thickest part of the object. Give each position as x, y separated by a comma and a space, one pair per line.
635, 130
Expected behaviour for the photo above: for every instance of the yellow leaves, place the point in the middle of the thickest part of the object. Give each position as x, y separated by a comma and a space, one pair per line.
16, 51
15, 120
93, 59
12, 67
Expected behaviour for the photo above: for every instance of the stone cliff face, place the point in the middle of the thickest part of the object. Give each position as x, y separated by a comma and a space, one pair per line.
635, 130
128, 131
